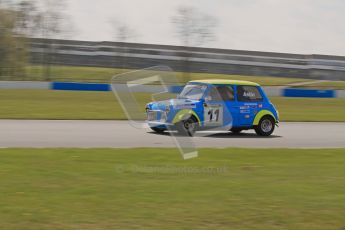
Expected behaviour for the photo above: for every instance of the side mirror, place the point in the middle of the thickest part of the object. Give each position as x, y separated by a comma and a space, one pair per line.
208, 98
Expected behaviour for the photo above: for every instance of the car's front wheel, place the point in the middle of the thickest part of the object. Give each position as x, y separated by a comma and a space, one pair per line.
265, 126
187, 127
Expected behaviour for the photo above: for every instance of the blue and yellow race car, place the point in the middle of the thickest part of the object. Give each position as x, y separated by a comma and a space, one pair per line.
211, 104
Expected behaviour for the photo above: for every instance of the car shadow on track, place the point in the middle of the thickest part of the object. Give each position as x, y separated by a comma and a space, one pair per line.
239, 135
221, 135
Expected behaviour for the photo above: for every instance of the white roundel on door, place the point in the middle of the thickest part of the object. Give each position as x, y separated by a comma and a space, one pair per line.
213, 115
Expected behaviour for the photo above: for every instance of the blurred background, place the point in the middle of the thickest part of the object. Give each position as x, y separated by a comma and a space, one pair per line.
294, 50
40, 39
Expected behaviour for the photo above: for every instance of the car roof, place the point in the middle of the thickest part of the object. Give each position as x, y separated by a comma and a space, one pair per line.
224, 82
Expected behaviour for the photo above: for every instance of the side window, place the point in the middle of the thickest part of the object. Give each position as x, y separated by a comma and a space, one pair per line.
221, 93
213, 94
248, 93
226, 92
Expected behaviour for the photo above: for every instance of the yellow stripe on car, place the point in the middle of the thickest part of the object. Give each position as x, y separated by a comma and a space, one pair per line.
261, 114
183, 113
225, 82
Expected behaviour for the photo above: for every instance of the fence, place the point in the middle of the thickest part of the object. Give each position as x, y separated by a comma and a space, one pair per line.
270, 91
187, 59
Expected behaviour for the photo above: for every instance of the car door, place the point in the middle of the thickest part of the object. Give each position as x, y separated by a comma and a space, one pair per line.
249, 101
217, 106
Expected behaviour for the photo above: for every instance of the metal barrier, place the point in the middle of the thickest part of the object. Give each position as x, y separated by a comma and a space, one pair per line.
270, 91
80, 86
290, 92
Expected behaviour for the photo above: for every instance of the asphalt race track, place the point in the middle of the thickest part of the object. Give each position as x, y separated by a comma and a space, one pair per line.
87, 134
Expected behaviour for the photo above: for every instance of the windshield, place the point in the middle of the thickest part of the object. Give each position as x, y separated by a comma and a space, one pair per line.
194, 92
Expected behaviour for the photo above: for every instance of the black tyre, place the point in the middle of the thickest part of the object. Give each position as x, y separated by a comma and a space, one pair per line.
265, 126
236, 130
187, 127
157, 130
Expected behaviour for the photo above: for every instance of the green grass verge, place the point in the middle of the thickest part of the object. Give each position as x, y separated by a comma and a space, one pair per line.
337, 85
310, 109
97, 74
155, 189
49, 104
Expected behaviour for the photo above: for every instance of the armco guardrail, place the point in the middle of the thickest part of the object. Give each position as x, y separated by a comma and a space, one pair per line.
290, 92
79, 86
24, 85
270, 91
187, 59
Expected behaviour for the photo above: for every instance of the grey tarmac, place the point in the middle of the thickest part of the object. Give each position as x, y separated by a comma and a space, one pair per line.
120, 134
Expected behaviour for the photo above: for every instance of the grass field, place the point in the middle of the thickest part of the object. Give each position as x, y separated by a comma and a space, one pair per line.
48, 104
97, 74
103, 75
155, 189
310, 109
326, 85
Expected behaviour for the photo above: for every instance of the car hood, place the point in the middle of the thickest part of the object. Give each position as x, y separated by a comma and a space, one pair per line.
173, 104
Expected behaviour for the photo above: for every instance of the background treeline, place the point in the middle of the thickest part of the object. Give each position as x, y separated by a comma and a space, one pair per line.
20, 21
13, 54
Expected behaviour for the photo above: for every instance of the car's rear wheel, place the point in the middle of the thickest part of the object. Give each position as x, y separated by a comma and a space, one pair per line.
158, 130
265, 126
187, 127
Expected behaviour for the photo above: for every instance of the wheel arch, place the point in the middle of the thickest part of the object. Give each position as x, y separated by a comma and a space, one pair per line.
179, 116
262, 114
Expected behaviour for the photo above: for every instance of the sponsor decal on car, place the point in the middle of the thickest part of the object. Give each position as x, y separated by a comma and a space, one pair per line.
248, 94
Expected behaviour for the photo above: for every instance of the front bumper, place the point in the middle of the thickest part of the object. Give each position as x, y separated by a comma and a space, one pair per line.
157, 118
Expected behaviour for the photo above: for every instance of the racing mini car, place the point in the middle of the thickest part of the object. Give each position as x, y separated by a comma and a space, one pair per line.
211, 104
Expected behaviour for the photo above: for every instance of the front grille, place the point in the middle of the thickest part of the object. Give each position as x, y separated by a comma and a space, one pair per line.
156, 115
152, 115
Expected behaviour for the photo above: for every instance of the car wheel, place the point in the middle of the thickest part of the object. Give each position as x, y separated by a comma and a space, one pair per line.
157, 130
235, 130
265, 126
187, 127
